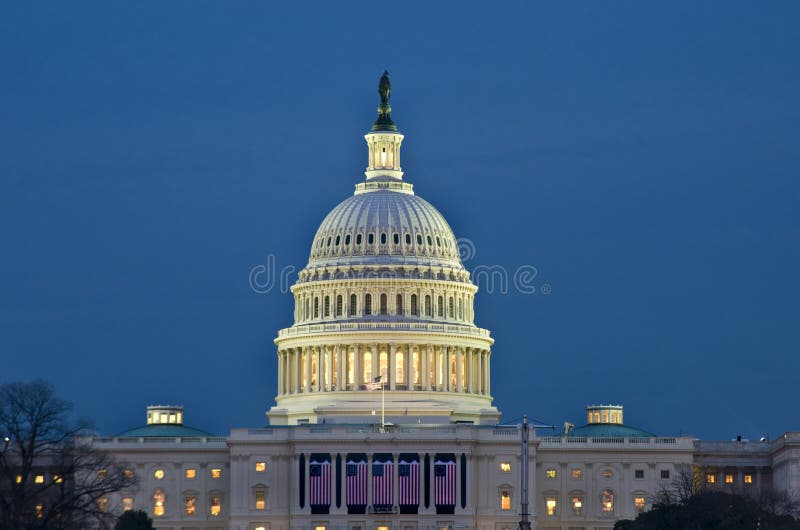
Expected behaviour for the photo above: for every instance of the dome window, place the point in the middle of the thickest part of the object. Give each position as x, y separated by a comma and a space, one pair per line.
408, 238
430, 242
414, 309
327, 306
353, 305
367, 304
399, 304
419, 239
347, 240
370, 239
428, 311
338, 305
358, 239
450, 308
396, 238
440, 306
438, 242
384, 309
383, 238
329, 241
316, 307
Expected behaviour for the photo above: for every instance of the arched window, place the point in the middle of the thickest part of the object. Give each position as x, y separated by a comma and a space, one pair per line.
414, 305
338, 238
338, 305
384, 309
440, 306
396, 238
460, 309
159, 503
383, 238
430, 241
438, 242
316, 307
358, 239
327, 306
347, 240
428, 305
329, 241
607, 502
370, 238
306, 314
398, 304
450, 308
367, 304
408, 238
419, 239
399, 368
367, 366
353, 305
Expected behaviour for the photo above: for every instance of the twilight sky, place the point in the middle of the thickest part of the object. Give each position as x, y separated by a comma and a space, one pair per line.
642, 156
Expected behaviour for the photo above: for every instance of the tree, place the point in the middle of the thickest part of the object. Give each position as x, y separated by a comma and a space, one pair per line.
51, 476
134, 520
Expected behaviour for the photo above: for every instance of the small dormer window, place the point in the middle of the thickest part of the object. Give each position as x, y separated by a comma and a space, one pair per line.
430, 242
337, 240
438, 242
358, 239
396, 238
383, 239
370, 239
347, 240
408, 238
419, 239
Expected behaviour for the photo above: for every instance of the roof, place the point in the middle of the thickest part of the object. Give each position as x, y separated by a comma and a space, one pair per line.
164, 430
609, 430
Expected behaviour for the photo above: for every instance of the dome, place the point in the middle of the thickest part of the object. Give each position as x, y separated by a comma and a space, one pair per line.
384, 226
609, 430
169, 431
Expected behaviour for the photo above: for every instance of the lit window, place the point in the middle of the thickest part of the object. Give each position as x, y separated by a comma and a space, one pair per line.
639, 503
711, 478
127, 473
550, 473
216, 473
39, 479
102, 503
260, 500
748, 479
638, 473
320, 527
260, 528
101, 474
665, 473
505, 501
607, 501
550, 505
39, 510
19, 479
158, 503
577, 473
261, 467
577, 505
189, 505
728, 478
608, 473
127, 504
216, 506
58, 479
505, 467
159, 474
383, 528
190, 473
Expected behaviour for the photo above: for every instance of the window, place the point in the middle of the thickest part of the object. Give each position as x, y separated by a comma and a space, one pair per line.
711, 478
39, 479
347, 240
339, 305
577, 505
216, 472
748, 479
316, 307
329, 240
607, 473
215, 508
383, 239
550, 473
102, 504
728, 478
189, 505
440, 306
158, 503
260, 500
18, 479
367, 367
370, 239
665, 473
576, 473
438, 242
638, 473
336, 243
367, 304
190, 473
58, 479
607, 502
428, 305
327, 306
398, 304
319, 527
419, 239
39, 510
505, 500
408, 239
127, 504
396, 238
353, 305
414, 305
358, 239
430, 241
639, 503
127, 473
399, 368
384, 309
505, 467
550, 505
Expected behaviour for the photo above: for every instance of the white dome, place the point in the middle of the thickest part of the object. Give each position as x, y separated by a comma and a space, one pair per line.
384, 227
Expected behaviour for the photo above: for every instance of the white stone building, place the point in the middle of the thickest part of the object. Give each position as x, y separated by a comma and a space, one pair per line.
386, 303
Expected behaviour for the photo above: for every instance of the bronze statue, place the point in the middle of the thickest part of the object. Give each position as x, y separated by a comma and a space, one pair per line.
385, 87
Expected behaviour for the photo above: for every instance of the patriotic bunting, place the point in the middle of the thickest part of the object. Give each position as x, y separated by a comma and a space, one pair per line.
444, 483
382, 482
356, 490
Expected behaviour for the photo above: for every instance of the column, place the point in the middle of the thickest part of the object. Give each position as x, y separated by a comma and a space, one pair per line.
425, 361
357, 368
307, 383
488, 373
322, 353
341, 382
409, 359
470, 371
392, 367
297, 359
459, 369
280, 372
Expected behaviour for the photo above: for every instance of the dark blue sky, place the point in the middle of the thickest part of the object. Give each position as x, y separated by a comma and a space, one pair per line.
643, 156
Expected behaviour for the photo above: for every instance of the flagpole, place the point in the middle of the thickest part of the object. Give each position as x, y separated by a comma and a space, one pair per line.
383, 407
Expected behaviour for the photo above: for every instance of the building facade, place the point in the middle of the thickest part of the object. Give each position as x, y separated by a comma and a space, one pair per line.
384, 418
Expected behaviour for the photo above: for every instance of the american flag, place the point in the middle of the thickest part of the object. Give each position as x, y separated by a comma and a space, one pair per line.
374, 385
356, 473
320, 483
444, 474
408, 483
382, 478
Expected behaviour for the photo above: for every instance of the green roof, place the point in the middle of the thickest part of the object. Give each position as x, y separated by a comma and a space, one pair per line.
164, 430
609, 430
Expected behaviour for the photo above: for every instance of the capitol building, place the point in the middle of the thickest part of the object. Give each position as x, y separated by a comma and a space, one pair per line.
384, 418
